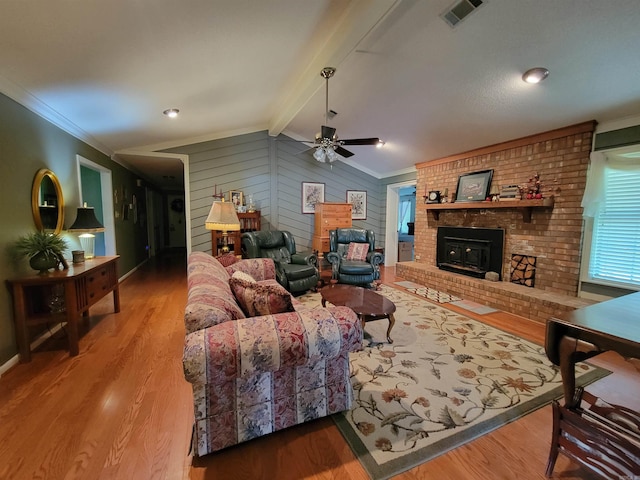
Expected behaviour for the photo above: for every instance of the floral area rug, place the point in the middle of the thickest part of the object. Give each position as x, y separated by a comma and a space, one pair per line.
446, 380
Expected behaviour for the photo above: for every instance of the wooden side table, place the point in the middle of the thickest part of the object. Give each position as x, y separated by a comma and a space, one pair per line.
249, 221
81, 286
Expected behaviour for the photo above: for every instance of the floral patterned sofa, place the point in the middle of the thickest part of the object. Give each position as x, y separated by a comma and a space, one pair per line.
256, 375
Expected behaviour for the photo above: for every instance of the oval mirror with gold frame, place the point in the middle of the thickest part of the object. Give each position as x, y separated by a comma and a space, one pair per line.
47, 203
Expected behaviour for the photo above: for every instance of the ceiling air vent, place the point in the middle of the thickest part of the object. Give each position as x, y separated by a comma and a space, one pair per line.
460, 10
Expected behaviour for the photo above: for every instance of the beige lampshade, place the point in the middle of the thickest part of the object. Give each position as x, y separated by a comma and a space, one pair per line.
222, 217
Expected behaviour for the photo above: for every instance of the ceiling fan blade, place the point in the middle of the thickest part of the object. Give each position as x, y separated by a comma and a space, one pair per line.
360, 141
343, 152
328, 132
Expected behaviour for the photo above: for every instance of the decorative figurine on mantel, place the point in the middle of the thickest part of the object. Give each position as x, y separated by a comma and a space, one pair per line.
533, 189
494, 194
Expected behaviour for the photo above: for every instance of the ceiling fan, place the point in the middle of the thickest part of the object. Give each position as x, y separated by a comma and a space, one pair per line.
327, 144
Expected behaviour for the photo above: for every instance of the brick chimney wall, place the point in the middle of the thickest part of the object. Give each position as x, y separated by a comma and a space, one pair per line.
561, 158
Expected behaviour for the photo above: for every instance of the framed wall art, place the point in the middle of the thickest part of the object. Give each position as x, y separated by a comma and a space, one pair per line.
474, 187
312, 193
358, 201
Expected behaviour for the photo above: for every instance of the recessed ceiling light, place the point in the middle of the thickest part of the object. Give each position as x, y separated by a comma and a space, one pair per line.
535, 75
171, 113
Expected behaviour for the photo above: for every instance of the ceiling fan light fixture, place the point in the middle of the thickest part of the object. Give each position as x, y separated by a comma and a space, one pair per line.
535, 75
380, 144
328, 148
171, 112
331, 154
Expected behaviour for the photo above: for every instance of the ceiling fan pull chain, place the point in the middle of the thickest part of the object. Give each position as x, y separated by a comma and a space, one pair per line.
326, 102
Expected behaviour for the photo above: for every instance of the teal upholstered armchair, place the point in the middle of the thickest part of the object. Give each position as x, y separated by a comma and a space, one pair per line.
297, 272
364, 269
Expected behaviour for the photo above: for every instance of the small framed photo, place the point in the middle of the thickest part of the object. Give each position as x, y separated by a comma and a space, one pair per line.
235, 197
474, 187
358, 201
312, 193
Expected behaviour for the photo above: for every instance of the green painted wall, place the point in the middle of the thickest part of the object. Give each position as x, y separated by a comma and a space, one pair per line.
27, 144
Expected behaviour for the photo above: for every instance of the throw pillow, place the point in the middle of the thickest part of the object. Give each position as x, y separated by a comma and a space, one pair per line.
240, 275
257, 299
357, 251
227, 259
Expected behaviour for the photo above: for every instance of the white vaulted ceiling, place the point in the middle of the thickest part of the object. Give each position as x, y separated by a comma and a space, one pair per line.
105, 71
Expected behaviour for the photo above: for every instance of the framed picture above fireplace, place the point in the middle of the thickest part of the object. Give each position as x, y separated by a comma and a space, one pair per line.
474, 187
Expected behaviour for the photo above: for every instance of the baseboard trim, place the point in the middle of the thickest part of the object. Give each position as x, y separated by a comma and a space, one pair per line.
132, 271
13, 361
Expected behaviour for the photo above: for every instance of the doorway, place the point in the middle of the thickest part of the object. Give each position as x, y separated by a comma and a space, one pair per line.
95, 187
391, 226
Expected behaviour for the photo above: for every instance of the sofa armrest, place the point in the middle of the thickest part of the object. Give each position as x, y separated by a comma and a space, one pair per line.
305, 258
254, 345
258, 268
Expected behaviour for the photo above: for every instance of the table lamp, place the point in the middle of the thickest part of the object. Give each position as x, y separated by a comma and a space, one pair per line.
86, 225
223, 217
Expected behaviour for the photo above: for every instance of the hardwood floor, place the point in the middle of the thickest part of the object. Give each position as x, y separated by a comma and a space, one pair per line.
122, 409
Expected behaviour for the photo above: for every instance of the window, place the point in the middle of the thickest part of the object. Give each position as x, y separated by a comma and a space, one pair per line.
406, 213
615, 243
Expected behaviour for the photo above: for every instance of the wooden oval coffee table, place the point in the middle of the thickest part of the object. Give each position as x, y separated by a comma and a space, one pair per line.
367, 304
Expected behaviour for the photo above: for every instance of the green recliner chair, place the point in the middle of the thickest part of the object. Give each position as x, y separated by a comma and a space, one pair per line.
297, 272
355, 272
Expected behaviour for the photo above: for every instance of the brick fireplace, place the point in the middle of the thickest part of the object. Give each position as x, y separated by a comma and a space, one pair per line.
553, 236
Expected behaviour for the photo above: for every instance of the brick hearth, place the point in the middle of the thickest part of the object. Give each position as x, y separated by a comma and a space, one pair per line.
531, 303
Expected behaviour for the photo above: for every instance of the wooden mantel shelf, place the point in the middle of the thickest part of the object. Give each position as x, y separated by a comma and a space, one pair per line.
525, 206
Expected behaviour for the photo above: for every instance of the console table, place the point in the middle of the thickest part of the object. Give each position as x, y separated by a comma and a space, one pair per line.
610, 325
61, 296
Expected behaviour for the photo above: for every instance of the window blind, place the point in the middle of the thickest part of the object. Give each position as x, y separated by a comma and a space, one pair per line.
615, 252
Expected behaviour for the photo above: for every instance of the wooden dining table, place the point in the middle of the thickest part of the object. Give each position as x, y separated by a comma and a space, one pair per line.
585, 332
586, 428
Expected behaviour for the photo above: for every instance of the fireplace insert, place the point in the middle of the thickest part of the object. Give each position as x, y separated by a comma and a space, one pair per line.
470, 250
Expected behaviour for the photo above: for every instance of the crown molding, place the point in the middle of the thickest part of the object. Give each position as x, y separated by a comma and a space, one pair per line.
37, 106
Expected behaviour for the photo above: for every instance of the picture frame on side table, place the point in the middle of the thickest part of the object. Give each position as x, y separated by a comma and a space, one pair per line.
312, 193
358, 201
474, 187
235, 197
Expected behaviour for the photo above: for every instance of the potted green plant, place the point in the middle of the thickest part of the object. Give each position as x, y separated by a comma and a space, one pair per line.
43, 249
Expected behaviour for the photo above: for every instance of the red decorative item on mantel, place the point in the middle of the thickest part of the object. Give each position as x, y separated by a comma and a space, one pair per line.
533, 189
